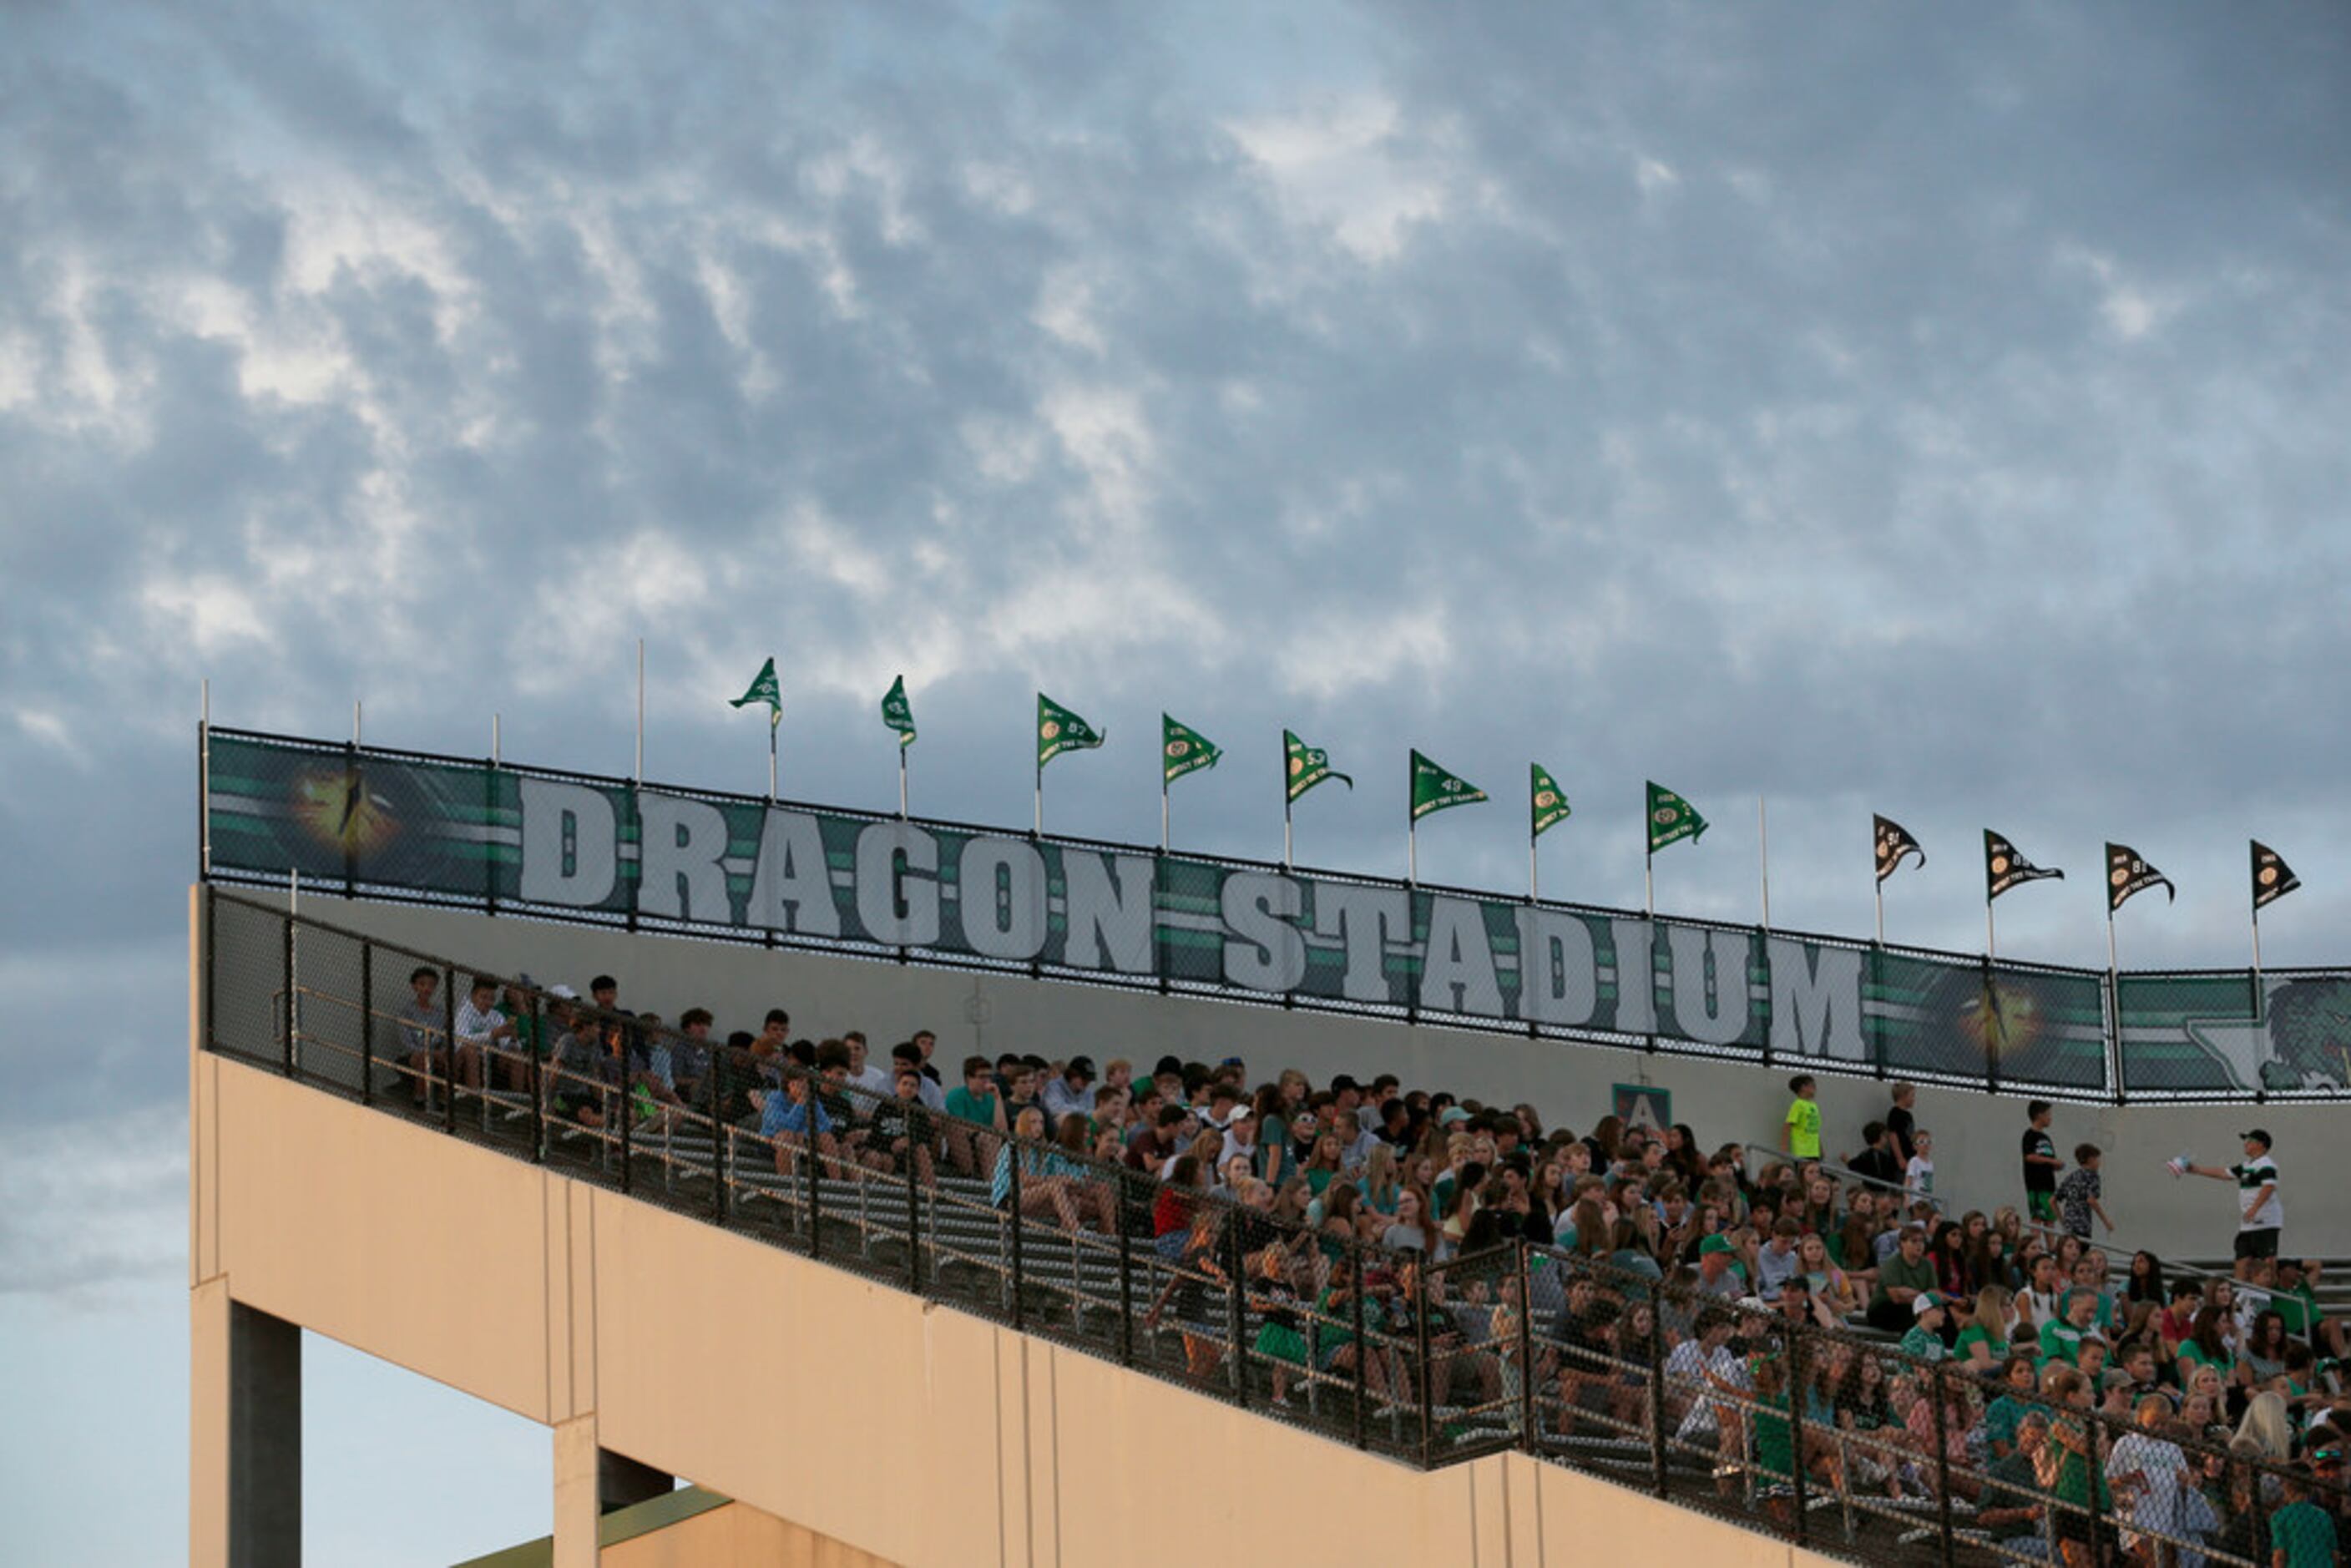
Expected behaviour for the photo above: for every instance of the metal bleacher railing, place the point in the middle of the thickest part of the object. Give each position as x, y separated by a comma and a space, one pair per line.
1683, 1387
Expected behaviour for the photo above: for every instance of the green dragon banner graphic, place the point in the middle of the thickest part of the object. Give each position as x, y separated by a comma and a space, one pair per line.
376, 821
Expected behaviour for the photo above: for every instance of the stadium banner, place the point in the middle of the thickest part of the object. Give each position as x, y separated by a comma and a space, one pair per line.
374, 821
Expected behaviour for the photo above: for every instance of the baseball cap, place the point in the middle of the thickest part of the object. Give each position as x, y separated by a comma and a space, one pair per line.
1718, 1242
1451, 1115
1925, 1301
1166, 1065
1083, 1066
2259, 1135
562, 992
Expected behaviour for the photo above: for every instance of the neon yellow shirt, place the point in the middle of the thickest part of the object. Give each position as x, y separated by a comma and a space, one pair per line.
1804, 1129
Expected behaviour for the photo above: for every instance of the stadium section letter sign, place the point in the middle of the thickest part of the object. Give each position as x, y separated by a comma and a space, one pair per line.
607, 850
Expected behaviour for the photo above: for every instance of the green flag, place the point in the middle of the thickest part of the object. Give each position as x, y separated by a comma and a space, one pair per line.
765, 688
1547, 800
1307, 766
1060, 730
1433, 788
897, 712
1183, 749
1671, 819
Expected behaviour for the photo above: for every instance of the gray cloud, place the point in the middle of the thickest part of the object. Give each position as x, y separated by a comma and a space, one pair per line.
1932, 413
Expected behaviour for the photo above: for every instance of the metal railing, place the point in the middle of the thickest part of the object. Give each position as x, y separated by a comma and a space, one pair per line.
1679, 1385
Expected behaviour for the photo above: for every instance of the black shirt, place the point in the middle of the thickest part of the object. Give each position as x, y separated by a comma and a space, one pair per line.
1899, 1121
2039, 1177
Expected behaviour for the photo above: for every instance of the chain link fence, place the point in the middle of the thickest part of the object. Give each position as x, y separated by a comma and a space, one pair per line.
1688, 1384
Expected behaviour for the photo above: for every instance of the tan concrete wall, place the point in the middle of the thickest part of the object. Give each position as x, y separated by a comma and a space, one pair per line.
908, 1431
1976, 1134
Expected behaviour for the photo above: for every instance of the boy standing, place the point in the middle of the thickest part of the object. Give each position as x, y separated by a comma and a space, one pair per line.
1918, 1177
2040, 1164
1800, 1134
2262, 1215
2078, 1194
1900, 1122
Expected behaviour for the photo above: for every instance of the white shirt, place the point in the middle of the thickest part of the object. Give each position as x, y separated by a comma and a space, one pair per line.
475, 1025
1688, 1364
875, 1080
2251, 1177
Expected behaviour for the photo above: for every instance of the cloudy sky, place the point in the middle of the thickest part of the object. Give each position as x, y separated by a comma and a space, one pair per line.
1938, 413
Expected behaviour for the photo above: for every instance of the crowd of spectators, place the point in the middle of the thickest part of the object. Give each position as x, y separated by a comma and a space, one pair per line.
1998, 1330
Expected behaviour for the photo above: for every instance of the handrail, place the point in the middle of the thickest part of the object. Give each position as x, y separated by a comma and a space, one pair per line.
1492, 1323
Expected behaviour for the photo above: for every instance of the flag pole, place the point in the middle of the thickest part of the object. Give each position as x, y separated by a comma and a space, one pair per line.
640, 710
2258, 998
1763, 847
204, 775
775, 723
1881, 913
902, 780
496, 756
1534, 869
1411, 850
1285, 807
1040, 794
1991, 943
1162, 807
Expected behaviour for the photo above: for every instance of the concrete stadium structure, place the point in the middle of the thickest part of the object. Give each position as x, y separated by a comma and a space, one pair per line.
567, 1303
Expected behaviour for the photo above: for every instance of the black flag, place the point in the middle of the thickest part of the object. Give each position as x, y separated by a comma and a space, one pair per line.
1894, 842
2128, 874
2272, 878
2005, 868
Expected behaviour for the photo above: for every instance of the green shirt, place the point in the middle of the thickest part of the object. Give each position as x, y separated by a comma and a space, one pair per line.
2075, 1472
1895, 1270
2060, 1340
2002, 1416
1971, 1336
2298, 1307
2303, 1533
1921, 1345
1804, 1129
980, 1108
1775, 1445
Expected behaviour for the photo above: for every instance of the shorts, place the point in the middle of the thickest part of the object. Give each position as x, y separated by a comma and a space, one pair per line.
2042, 1205
2262, 1243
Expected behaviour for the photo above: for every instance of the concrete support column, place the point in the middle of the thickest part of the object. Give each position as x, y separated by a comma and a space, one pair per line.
245, 1451
576, 1492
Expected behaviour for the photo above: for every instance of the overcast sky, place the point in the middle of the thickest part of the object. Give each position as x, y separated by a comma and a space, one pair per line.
1933, 413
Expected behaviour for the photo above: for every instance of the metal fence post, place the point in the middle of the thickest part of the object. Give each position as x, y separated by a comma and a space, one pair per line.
367, 1023
625, 1108
448, 1052
1799, 1499
809, 1154
1011, 1147
1428, 1371
1125, 1278
1657, 1406
915, 1115
1237, 1283
722, 1152
1362, 1351
1943, 1464
287, 1064
538, 1084
1527, 1439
